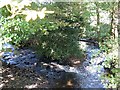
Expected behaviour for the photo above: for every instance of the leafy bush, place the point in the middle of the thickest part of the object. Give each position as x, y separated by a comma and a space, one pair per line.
112, 71
16, 30
57, 35
55, 41
52, 38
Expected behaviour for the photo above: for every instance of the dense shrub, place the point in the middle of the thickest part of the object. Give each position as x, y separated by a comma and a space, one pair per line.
16, 30
52, 38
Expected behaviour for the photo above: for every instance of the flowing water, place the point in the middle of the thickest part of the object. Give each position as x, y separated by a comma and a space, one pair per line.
86, 75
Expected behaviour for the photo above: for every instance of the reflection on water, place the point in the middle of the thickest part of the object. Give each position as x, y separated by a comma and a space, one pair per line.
67, 80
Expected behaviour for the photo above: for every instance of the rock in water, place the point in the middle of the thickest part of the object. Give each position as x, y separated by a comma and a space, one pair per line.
8, 47
23, 59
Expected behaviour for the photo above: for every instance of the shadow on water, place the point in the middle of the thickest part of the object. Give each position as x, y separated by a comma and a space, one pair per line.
59, 79
67, 80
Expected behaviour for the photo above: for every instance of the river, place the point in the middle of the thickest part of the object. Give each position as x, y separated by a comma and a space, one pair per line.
87, 75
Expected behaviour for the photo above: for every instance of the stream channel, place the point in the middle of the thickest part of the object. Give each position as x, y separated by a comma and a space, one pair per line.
86, 75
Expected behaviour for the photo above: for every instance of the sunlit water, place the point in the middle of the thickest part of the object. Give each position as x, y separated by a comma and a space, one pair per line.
86, 75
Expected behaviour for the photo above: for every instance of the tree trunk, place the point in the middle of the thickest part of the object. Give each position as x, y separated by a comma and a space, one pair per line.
119, 18
98, 20
112, 23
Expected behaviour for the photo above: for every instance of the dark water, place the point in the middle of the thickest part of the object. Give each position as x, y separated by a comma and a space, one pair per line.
85, 76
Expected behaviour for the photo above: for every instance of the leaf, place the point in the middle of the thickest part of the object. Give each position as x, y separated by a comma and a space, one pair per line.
41, 15
116, 70
49, 11
34, 15
28, 17
44, 9
31, 14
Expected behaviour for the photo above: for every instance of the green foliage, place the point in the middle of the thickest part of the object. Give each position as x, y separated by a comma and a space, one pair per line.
113, 75
53, 38
16, 30
104, 35
13, 27
23, 7
58, 34
22, 23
